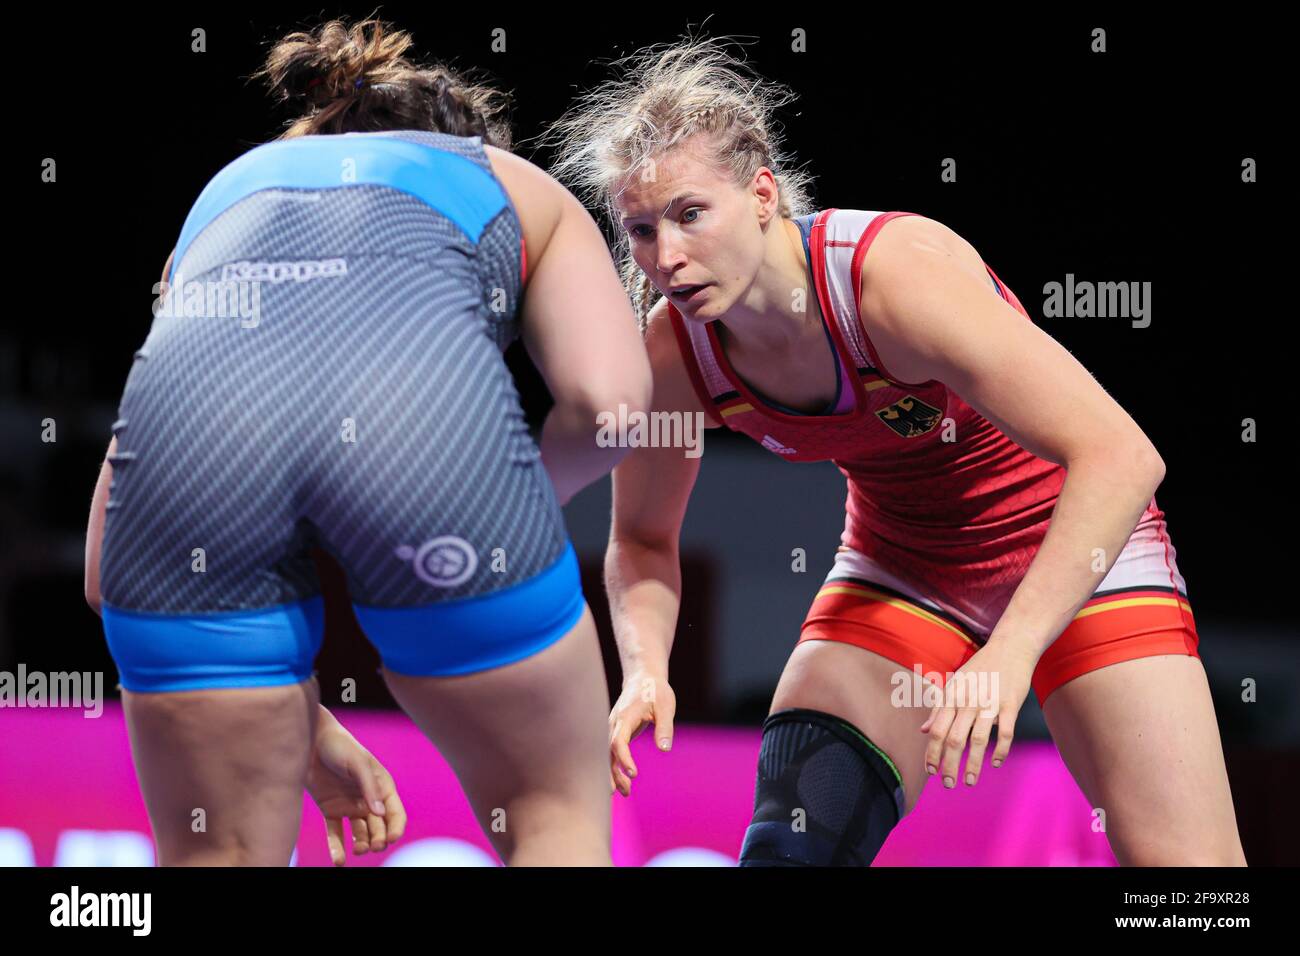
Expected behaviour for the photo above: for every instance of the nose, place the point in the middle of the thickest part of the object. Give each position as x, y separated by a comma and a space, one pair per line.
669, 256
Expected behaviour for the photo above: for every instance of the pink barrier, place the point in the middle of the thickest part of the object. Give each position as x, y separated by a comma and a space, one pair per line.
68, 795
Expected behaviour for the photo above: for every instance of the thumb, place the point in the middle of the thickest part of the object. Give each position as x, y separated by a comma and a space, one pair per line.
364, 775
664, 727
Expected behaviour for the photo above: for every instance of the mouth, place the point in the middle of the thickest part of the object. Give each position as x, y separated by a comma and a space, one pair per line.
685, 293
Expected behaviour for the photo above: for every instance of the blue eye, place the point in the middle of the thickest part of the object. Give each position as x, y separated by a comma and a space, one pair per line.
638, 235
694, 209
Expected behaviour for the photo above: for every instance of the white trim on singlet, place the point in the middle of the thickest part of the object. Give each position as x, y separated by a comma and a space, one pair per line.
843, 231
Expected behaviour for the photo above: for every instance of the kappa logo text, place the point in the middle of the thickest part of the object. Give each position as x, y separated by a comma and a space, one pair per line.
284, 271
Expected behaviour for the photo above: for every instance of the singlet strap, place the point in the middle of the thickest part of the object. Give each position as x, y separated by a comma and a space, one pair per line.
838, 240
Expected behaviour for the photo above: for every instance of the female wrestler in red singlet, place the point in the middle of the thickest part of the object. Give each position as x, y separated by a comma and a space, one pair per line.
1000, 523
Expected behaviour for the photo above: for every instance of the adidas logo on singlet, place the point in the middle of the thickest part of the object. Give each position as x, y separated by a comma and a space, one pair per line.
771, 444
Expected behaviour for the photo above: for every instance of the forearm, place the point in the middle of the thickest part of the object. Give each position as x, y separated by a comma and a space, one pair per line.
324, 719
1100, 504
327, 727
644, 585
570, 452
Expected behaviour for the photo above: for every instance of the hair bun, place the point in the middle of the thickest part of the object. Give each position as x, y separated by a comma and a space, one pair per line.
334, 60
328, 72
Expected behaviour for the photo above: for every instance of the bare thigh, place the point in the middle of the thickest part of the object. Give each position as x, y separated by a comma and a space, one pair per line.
529, 744
1141, 739
854, 685
223, 771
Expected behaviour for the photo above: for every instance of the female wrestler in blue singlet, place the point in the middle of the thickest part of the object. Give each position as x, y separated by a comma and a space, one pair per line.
325, 369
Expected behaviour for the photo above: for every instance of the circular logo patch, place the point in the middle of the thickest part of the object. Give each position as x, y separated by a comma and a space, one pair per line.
444, 562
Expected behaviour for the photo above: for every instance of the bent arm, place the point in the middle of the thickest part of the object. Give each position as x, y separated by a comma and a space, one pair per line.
937, 320
581, 333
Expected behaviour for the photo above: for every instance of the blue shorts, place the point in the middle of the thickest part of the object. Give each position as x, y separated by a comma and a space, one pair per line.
277, 645
328, 372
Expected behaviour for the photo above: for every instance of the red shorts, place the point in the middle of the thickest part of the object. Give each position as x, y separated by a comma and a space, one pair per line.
1139, 610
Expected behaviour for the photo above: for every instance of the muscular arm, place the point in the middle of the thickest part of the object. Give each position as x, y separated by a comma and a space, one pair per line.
932, 317
577, 325
651, 488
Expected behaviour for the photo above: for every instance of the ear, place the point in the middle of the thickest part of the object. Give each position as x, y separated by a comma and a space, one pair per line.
766, 192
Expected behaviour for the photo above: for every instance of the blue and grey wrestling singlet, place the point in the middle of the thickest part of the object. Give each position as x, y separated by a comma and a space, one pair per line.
327, 370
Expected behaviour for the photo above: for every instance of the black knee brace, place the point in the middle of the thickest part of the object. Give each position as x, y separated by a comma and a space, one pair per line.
825, 795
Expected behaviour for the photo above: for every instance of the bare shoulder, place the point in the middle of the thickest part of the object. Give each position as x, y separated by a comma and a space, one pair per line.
539, 200
515, 171
908, 244
910, 255
673, 390
919, 234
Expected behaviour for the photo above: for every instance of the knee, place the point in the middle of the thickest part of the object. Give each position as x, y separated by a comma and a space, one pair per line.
824, 796
549, 829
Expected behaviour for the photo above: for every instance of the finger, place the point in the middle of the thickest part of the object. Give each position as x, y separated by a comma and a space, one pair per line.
664, 712
622, 752
334, 839
360, 835
934, 711
395, 818
948, 702
1006, 731
622, 783
378, 833
980, 735
938, 729
367, 773
381, 797
954, 744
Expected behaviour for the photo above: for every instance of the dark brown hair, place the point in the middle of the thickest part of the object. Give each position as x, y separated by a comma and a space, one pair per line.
357, 79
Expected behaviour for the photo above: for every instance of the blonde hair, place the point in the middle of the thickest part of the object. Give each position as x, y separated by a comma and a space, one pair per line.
668, 93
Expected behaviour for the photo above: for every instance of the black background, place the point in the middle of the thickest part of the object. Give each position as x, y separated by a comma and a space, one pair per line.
1122, 166
1119, 166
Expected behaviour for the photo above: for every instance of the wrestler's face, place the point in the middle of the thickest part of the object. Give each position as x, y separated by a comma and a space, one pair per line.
695, 232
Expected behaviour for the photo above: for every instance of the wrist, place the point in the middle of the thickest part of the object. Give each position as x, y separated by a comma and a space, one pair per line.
324, 719
640, 670
1017, 645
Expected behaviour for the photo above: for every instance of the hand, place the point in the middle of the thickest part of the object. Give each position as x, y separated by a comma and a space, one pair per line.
345, 780
646, 699
988, 689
